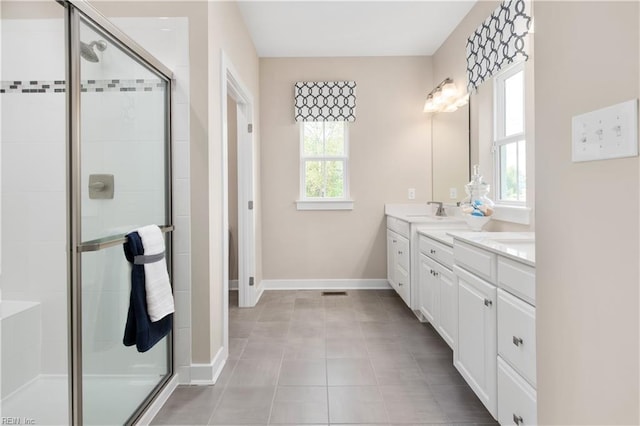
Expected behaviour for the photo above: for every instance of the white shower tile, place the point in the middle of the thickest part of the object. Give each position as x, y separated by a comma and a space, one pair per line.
180, 122
181, 160
181, 197
181, 272
183, 346
182, 236
183, 309
46, 217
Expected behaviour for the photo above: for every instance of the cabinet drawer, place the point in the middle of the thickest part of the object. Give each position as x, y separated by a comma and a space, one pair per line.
473, 259
436, 250
516, 398
399, 226
518, 278
517, 334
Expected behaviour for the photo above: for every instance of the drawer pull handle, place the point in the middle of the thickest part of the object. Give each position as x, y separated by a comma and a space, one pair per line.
517, 419
517, 340
487, 302
400, 284
399, 252
432, 251
395, 241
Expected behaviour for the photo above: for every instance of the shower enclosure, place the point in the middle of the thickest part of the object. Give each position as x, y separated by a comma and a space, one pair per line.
84, 158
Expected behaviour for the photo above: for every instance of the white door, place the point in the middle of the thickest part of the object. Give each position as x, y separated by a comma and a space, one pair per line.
391, 258
246, 216
428, 289
475, 353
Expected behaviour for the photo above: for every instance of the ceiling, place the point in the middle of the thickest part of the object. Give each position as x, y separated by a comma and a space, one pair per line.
351, 28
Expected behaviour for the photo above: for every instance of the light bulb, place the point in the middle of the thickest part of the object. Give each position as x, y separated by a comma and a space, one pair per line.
450, 108
437, 98
449, 90
462, 100
428, 106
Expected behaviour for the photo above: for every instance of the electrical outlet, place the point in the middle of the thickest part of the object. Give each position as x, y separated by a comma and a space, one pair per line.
411, 193
453, 193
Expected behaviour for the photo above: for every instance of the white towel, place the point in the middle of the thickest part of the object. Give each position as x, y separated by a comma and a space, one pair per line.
156, 278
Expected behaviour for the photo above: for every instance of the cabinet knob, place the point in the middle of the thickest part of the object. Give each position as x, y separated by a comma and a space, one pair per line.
395, 241
487, 302
399, 252
517, 340
432, 251
400, 284
517, 419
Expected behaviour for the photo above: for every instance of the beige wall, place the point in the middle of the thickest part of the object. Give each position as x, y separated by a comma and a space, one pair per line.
587, 56
226, 32
390, 151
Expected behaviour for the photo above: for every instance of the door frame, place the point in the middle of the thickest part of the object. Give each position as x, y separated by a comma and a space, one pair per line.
232, 85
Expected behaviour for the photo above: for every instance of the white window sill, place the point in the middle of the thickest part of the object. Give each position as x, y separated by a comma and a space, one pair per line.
514, 214
324, 204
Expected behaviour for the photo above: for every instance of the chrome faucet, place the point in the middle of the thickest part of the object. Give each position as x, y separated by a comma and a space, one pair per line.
440, 211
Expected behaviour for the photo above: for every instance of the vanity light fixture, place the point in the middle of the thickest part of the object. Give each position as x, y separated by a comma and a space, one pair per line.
445, 98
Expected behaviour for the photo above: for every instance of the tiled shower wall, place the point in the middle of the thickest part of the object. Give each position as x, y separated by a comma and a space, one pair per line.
33, 178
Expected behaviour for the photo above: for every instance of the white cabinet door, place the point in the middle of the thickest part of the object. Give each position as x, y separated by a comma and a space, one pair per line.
448, 310
429, 289
392, 249
475, 350
403, 288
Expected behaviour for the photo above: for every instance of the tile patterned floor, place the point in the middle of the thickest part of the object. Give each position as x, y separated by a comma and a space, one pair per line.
302, 358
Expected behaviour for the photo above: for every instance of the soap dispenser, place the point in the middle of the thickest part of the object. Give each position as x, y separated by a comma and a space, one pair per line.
477, 208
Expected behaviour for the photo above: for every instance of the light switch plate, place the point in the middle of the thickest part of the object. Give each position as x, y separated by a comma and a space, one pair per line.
607, 133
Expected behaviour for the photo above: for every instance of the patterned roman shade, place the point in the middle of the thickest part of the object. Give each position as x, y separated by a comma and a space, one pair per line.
325, 101
499, 41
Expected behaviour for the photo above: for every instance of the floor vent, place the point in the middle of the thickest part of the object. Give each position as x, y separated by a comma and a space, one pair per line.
334, 293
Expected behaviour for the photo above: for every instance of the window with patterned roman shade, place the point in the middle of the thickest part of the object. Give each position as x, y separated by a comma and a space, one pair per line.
500, 40
325, 101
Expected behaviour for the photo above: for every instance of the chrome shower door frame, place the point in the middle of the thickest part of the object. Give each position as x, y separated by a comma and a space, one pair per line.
77, 11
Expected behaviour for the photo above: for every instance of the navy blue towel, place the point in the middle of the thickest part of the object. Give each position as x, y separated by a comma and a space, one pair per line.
140, 331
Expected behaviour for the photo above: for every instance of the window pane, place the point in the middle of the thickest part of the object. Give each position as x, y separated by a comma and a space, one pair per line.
334, 137
513, 160
312, 132
314, 178
335, 179
514, 104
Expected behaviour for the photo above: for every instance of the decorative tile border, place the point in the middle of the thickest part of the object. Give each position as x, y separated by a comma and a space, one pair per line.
59, 86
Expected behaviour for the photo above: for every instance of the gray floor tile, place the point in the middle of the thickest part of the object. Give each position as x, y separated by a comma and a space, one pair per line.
226, 373
270, 330
347, 348
460, 404
300, 405
305, 348
236, 346
248, 405
240, 329
264, 348
189, 405
306, 329
412, 403
275, 314
308, 315
303, 373
255, 372
244, 314
342, 329
356, 404
439, 371
398, 374
350, 372
340, 313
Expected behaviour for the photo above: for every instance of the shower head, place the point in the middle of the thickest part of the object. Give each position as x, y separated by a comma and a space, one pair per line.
87, 52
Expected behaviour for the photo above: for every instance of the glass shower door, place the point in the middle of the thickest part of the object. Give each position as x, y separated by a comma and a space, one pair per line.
124, 184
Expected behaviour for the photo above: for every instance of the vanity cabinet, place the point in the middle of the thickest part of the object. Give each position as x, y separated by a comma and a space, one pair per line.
403, 261
495, 350
437, 287
398, 264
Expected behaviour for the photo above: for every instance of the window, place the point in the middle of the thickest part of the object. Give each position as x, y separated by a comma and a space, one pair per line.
324, 156
509, 144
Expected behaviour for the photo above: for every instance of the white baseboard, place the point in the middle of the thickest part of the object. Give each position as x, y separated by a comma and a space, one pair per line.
158, 402
331, 284
207, 374
233, 284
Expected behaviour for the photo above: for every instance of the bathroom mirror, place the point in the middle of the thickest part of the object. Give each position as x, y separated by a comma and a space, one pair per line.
450, 154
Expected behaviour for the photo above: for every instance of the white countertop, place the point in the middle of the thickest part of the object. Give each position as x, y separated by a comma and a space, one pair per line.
519, 246
421, 213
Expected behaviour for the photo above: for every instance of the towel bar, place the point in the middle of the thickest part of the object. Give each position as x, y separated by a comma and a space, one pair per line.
114, 240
